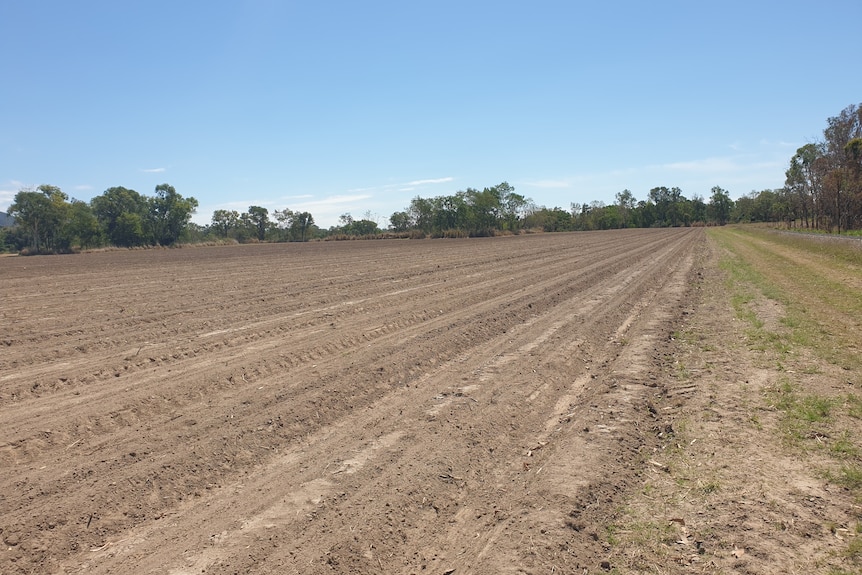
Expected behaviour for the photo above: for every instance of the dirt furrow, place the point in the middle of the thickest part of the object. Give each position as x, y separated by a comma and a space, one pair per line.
387, 407
339, 490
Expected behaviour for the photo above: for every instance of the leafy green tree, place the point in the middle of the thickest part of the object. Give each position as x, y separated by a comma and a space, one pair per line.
841, 158
31, 210
719, 206
224, 222
399, 221
743, 209
83, 227
626, 202
259, 218
768, 206
514, 207
168, 215
421, 212
44, 215
361, 227
803, 180
129, 230
302, 225
697, 209
450, 213
853, 170
121, 213
285, 219
550, 220
484, 210
669, 210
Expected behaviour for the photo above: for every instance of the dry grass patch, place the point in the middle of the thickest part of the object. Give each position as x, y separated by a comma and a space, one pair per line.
764, 471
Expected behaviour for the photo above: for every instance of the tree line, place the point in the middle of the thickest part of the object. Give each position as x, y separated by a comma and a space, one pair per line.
822, 191
500, 210
824, 182
48, 222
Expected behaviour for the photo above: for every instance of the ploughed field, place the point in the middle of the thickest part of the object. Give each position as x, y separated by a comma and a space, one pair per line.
437, 406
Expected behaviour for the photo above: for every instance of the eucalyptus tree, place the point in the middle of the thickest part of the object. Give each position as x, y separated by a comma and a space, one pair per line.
168, 215
224, 222
803, 179
626, 202
121, 212
399, 221
302, 224
259, 218
44, 214
841, 159
719, 206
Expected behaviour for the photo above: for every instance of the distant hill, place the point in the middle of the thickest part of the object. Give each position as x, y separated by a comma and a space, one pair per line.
6, 220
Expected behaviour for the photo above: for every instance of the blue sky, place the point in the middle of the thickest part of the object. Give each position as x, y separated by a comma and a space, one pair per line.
335, 107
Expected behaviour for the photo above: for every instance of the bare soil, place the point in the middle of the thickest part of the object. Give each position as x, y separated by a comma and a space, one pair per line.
440, 406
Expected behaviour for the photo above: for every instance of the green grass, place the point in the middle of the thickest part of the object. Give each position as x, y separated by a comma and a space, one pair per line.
853, 404
818, 312
782, 280
848, 476
844, 447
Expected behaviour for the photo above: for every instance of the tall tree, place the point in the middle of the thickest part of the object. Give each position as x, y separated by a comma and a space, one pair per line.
169, 214
853, 154
399, 221
513, 206
224, 222
668, 208
31, 210
83, 227
626, 202
803, 179
421, 214
121, 213
303, 222
719, 206
259, 217
286, 219
44, 214
838, 185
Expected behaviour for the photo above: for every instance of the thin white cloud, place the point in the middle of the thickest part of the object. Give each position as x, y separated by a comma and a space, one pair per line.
82, 188
431, 181
403, 186
153, 170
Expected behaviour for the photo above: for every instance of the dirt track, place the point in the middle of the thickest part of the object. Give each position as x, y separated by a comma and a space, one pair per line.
401, 406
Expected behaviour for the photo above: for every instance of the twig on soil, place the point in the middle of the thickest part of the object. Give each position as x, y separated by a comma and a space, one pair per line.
106, 545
